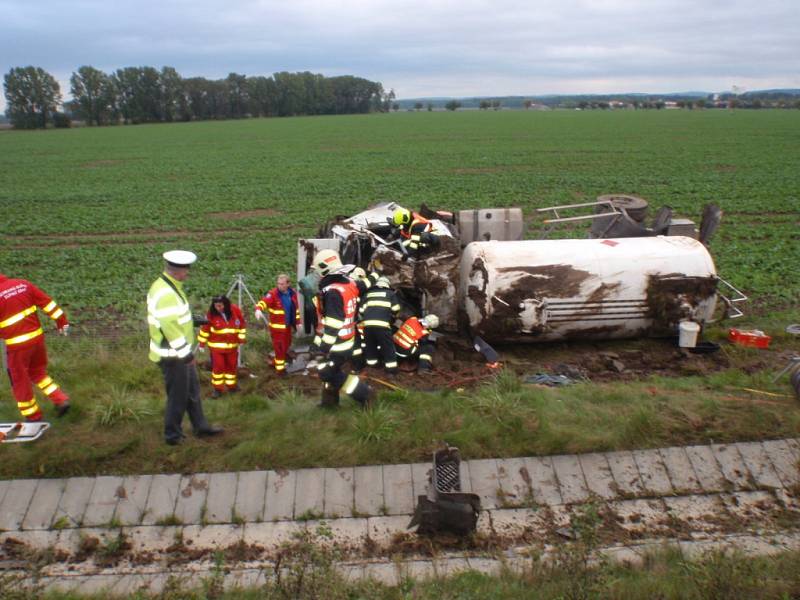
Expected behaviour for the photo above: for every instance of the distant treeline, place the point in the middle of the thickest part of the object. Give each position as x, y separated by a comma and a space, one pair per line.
147, 95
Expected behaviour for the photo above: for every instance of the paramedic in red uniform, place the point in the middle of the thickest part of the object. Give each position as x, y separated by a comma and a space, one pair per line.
223, 334
25, 349
284, 315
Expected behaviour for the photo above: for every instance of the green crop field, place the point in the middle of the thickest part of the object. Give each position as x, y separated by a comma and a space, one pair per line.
87, 212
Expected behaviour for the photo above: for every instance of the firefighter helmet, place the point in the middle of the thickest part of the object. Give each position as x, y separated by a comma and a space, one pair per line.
430, 321
402, 216
326, 262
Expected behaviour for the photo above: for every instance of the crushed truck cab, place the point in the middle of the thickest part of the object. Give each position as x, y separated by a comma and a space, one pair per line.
484, 279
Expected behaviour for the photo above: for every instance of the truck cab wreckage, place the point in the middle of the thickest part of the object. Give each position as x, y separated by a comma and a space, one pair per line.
624, 280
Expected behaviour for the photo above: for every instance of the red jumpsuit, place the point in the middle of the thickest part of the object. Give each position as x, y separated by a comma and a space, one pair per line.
279, 330
223, 334
24, 339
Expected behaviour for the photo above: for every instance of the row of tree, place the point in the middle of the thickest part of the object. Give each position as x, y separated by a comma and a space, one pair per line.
147, 95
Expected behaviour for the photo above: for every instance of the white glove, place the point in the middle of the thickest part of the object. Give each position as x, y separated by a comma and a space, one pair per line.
358, 273
259, 314
64, 330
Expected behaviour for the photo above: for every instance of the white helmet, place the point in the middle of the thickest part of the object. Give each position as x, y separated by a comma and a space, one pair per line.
326, 262
430, 321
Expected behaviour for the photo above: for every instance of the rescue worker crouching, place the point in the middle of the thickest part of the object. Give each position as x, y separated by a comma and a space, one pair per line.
417, 232
338, 306
224, 332
378, 310
412, 340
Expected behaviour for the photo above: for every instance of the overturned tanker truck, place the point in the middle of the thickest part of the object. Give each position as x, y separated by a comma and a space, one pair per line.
625, 280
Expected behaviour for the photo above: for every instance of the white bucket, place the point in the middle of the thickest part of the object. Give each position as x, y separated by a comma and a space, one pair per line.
687, 334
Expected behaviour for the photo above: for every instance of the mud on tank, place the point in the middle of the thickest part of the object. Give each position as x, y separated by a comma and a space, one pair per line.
546, 290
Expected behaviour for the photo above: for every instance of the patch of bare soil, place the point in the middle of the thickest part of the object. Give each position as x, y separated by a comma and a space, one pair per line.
245, 214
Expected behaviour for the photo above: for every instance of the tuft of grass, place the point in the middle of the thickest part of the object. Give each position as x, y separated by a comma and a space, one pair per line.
375, 425
121, 406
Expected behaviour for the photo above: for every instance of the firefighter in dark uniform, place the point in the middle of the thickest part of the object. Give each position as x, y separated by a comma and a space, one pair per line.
379, 308
413, 340
338, 307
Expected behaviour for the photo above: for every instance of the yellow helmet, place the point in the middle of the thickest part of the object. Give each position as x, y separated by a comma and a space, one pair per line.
402, 216
326, 262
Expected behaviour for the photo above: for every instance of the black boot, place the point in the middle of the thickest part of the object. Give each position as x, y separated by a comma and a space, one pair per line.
330, 397
363, 394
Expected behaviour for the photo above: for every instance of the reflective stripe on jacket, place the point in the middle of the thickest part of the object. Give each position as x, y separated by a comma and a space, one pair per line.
169, 317
339, 306
221, 334
410, 333
19, 302
379, 306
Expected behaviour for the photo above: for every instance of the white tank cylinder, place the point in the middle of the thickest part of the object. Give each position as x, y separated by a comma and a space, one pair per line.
585, 289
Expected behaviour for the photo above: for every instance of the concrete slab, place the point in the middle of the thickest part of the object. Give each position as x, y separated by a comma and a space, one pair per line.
279, 501
700, 513
415, 570
515, 523
599, 479
339, 492
753, 509
3, 487
15, 504
152, 538
164, 491
785, 461
35, 539
251, 492
447, 567
74, 501
544, 484
97, 585
641, 516
130, 584
757, 461
382, 572
271, 536
732, 466
680, 470
487, 566
212, 537
484, 478
420, 478
72, 540
514, 481
626, 473
706, 468
191, 501
398, 489
132, 499
369, 499
244, 579
43, 504
102, 502
346, 535
221, 498
309, 499
382, 530
465, 477
652, 472
571, 481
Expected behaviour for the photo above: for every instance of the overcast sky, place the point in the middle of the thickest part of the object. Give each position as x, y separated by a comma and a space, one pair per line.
424, 47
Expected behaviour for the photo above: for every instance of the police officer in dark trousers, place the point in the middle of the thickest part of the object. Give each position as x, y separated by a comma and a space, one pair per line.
378, 310
172, 344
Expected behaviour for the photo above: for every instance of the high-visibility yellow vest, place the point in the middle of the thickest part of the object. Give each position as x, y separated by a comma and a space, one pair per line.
169, 317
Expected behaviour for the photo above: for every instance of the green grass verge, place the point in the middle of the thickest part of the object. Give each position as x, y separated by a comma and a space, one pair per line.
116, 424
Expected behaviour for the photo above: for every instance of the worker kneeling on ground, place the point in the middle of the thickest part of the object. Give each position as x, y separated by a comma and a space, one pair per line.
24, 341
378, 310
417, 232
224, 332
284, 316
413, 340
339, 302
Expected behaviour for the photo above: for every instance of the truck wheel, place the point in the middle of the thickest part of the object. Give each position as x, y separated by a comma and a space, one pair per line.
635, 207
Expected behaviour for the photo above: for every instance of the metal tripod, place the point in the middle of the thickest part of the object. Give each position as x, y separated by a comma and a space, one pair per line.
241, 287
